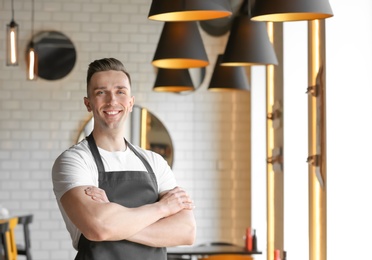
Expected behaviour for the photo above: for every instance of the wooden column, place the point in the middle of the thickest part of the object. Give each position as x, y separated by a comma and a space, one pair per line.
317, 141
274, 142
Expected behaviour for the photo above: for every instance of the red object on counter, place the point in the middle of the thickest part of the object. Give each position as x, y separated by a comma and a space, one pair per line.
248, 239
276, 254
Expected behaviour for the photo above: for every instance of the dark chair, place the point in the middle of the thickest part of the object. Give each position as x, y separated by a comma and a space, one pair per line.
25, 248
4, 228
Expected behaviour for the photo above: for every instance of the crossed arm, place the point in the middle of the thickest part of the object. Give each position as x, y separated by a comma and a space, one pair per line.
153, 224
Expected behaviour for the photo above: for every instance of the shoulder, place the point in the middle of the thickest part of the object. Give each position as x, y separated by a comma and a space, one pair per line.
76, 158
73, 167
77, 151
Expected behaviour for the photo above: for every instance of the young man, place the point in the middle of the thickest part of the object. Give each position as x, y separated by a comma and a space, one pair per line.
118, 201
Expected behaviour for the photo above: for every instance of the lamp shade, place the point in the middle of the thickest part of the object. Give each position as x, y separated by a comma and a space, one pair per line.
180, 46
189, 10
291, 10
173, 80
248, 44
226, 78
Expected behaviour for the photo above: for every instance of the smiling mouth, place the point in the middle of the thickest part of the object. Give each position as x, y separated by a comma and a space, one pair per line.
112, 113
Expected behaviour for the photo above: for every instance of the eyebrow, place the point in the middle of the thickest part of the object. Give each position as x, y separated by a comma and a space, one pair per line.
104, 87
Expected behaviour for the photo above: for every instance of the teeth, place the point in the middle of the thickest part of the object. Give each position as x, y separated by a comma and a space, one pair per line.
112, 112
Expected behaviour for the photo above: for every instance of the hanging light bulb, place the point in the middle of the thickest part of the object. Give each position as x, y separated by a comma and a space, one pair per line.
32, 65
12, 41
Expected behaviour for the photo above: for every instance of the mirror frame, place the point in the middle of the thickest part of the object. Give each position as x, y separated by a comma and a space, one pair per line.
56, 54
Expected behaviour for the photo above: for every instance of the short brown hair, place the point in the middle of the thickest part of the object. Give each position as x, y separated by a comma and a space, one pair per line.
105, 64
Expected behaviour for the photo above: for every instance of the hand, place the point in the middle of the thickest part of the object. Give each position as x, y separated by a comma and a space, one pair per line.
176, 200
96, 194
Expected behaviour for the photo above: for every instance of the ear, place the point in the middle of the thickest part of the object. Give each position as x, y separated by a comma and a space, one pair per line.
131, 104
87, 104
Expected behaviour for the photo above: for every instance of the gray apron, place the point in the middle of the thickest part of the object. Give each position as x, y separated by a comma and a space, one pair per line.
130, 189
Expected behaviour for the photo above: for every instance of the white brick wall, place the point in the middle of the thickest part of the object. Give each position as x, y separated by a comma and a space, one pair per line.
39, 119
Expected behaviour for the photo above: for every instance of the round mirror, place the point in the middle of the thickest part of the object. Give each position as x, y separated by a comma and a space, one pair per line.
56, 54
142, 129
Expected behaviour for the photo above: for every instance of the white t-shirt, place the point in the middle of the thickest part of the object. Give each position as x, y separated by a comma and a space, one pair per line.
76, 167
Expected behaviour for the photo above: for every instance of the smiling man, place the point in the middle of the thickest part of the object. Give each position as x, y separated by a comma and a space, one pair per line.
118, 200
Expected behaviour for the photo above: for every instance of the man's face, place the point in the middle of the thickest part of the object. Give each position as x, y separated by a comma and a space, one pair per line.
109, 99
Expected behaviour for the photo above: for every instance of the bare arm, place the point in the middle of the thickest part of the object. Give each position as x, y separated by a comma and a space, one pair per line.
177, 229
110, 221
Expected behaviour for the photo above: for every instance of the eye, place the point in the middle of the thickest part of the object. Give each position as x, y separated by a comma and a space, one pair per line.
122, 91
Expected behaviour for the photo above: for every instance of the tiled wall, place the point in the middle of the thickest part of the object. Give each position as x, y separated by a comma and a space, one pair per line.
39, 119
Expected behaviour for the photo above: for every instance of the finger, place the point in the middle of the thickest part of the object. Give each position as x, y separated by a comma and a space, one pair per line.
189, 206
176, 192
95, 194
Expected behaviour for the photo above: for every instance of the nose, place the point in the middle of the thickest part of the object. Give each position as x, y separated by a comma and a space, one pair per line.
111, 98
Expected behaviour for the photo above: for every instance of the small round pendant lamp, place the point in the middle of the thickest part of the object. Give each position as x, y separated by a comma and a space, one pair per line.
226, 78
173, 80
189, 10
180, 46
291, 10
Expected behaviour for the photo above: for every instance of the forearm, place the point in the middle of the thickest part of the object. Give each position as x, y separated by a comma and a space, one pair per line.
118, 223
108, 221
175, 230
101, 220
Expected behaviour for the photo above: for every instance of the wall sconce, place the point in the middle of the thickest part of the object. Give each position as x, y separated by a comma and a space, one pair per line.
180, 46
276, 115
12, 41
276, 159
31, 58
291, 10
188, 10
173, 80
248, 42
226, 78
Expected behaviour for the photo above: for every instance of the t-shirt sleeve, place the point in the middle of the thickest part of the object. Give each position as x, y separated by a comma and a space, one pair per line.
71, 170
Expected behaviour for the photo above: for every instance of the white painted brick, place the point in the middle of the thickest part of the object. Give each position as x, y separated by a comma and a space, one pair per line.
40, 119
51, 6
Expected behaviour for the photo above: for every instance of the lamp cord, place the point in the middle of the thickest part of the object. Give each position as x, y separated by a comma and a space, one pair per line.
32, 23
245, 8
12, 10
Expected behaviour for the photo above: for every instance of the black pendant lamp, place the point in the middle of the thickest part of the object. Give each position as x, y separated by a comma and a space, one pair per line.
226, 78
12, 41
189, 10
173, 80
291, 10
180, 46
248, 43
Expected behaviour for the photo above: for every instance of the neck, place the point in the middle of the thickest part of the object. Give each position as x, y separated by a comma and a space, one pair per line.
110, 142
